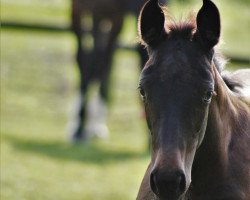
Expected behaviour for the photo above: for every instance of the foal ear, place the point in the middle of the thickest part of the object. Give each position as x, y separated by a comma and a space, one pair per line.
151, 23
208, 24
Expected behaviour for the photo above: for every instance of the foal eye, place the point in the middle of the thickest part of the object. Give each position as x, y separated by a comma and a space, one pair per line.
208, 96
142, 93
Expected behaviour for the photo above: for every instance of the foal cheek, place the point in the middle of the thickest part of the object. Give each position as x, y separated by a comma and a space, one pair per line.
198, 126
189, 158
202, 130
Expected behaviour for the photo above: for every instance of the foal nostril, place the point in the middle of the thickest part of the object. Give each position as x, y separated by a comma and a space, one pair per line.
181, 181
168, 184
153, 183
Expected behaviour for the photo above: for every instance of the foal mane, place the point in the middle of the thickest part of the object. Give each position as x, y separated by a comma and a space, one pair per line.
233, 84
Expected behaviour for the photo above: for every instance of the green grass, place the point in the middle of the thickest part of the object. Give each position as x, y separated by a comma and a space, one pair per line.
38, 86
235, 22
235, 17
35, 11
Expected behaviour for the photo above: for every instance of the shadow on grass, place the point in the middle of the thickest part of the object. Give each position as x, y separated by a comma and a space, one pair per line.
91, 152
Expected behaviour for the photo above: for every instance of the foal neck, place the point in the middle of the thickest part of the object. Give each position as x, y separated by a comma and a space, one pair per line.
220, 168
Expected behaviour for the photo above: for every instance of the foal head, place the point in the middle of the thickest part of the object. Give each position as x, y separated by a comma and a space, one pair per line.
177, 85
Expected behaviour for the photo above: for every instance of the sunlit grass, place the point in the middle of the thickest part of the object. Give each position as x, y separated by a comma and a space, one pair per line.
235, 17
52, 12
235, 22
38, 87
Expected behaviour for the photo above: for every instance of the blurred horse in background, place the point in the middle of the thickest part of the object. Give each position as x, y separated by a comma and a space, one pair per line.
97, 24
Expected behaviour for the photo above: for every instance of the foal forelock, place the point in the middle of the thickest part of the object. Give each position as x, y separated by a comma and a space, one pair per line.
187, 30
184, 28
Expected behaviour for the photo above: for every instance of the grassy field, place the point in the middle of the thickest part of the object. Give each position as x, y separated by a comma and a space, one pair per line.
38, 87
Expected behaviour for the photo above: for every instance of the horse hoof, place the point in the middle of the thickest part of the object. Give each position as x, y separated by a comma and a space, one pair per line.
76, 137
98, 131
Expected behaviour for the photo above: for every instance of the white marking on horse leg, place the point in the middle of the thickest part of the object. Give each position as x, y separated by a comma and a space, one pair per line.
74, 118
97, 115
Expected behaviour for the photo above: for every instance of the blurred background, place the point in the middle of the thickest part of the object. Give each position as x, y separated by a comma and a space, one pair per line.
39, 82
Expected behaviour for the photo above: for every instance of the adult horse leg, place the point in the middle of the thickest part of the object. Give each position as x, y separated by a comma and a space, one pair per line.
107, 57
81, 57
79, 133
104, 45
76, 15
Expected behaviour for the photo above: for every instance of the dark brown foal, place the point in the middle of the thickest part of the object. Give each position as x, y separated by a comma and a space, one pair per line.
199, 119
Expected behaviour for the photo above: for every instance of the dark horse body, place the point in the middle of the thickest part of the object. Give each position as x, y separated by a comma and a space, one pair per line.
199, 119
95, 62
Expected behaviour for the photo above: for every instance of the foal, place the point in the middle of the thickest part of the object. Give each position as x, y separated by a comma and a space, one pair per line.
199, 122
94, 63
